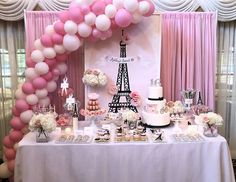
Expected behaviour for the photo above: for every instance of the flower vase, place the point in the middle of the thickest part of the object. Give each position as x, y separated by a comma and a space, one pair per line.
210, 131
42, 136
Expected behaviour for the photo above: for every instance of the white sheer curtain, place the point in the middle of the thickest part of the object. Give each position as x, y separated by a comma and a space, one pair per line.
226, 81
12, 66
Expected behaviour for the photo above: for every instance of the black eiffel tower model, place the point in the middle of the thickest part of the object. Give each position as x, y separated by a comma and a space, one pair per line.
123, 90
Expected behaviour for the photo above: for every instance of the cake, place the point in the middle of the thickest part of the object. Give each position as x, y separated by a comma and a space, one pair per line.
155, 112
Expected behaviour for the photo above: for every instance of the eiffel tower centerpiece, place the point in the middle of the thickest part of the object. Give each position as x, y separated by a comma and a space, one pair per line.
122, 84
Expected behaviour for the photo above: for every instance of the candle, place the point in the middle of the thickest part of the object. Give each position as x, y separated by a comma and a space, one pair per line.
68, 131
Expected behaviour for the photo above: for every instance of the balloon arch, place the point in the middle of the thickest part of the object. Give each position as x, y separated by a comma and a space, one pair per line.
85, 19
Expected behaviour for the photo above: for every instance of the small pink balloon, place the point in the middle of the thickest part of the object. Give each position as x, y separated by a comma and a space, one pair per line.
11, 165
30, 63
59, 28
51, 63
73, 4
114, 26
28, 88
39, 83
98, 7
9, 153
85, 9
61, 57
108, 1
57, 38
92, 38
107, 33
123, 18
76, 14
15, 112
96, 33
151, 9
7, 142
46, 40
48, 76
16, 123
55, 72
51, 86
15, 135
21, 105
64, 16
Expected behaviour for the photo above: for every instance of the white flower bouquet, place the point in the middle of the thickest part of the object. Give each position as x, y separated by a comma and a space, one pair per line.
211, 118
129, 115
94, 77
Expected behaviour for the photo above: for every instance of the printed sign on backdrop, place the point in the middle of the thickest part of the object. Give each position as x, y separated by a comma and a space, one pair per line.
142, 57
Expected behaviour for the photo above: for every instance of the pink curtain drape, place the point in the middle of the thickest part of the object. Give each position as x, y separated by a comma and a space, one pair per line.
188, 55
35, 24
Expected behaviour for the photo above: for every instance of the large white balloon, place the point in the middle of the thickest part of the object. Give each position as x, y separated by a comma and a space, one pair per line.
131, 5
38, 45
41, 93
4, 172
26, 116
62, 67
70, 27
118, 3
37, 56
30, 73
44, 102
71, 42
84, 30
49, 52
90, 18
144, 7
49, 30
41, 68
32, 99
103, 23
59, 49
51, 86
19, 94
110, 11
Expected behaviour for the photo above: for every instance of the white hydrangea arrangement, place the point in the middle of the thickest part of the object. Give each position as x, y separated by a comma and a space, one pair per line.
94, 77
129, 115
211, 118
45, 122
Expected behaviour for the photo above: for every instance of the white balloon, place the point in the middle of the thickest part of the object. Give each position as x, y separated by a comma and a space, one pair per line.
90, 18
84, 30
30, 73
38, 45
19, 94
49, 30
144, 7
4, 172
103, 23
62, 67
41, 68
118, 3
41, 93
70, 27
51, 86
110, 11
131, 5
49, 52
26, 116
71, 42
37, 56
84, 2
44, 102
137, 17
59, 49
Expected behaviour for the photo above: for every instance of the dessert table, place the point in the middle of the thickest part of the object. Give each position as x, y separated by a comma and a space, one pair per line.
202, 161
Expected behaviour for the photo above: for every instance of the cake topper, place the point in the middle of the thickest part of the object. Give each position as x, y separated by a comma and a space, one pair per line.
155, 82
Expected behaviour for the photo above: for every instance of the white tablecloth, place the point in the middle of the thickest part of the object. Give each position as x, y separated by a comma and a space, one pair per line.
207, 161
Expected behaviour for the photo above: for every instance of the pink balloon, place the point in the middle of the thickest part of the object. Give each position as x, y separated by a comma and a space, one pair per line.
51, 63
107, 33
85, 9
7, 142
30, 63
16, 123
96, 33
92, 38
39, 83
123, 18
21, 105
76, 14
59, 28
28, 88
44, 102
108, 2
9, 153
151, 9
56, 72
15, 135
11, 165
46, 40
15, 112
57, 38
61, 57
98, 7
64, 16
51, 86
73, 4
114, 26
48, 76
